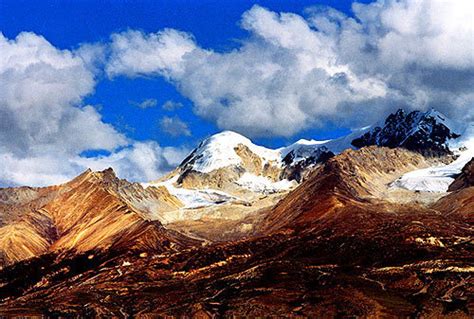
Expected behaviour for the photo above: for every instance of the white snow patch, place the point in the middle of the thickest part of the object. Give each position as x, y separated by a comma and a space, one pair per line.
262, 184
302, 149
343, 143
438, 179
433, 179
194, 198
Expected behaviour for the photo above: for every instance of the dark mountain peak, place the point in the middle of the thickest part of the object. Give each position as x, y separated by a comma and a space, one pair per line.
425, 132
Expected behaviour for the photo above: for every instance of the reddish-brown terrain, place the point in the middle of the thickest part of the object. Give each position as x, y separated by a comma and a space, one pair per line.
341, 245
91, 212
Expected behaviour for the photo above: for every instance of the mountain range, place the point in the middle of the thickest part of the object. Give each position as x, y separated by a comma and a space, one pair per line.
375, 224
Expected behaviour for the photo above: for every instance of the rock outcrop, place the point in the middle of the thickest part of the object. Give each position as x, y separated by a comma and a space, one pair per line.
465, 179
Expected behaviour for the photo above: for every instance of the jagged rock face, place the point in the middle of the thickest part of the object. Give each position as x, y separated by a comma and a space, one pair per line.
221, 178
427, 133
465, 179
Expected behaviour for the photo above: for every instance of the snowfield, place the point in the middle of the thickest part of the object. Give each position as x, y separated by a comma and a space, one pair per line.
264, 185
218, 151
194, 198
438, 179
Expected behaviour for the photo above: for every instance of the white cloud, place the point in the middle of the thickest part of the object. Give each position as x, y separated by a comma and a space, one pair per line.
41, 91
174, 126
38, 170
293, 73
44, 126
142, 161
289, 74
422, 50
135, 53
145, 104
435, 32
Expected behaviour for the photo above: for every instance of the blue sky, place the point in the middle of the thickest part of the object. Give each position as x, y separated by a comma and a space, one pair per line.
214, 24
73, 75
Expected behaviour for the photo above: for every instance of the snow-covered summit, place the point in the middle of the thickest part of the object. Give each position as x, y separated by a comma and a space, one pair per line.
219, 151
430, 133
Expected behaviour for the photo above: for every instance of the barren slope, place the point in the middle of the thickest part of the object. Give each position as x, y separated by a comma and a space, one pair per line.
353, 179
96, 210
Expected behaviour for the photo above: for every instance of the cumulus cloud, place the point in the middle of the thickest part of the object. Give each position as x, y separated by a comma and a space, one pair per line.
135, 53
296, 72
174, 126
44, 125
139, 161
422, 49
36, 170
145, 104
40, 95
142, 161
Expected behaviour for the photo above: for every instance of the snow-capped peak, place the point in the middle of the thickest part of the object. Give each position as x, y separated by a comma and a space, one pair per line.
259, 168
219, 151
430, 133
